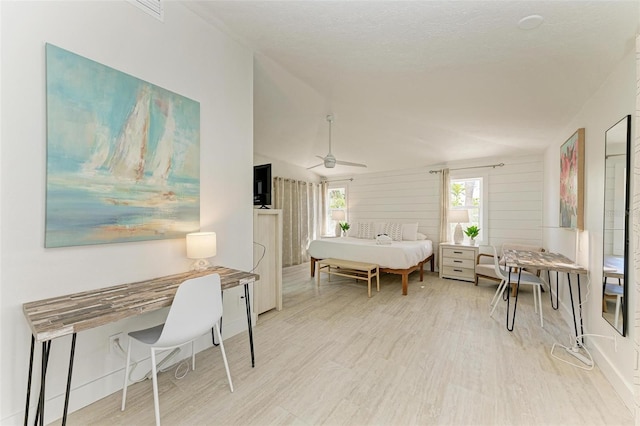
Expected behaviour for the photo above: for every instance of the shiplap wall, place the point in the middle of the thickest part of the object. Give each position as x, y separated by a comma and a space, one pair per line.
405, 196
515, 197
516, 201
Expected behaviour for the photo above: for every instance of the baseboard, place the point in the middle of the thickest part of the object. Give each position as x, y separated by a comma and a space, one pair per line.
86, 394
622, 387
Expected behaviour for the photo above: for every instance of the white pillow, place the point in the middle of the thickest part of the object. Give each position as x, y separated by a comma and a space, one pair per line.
380, 227
394, 230
353, 230
366, 230
420, 236
410, 231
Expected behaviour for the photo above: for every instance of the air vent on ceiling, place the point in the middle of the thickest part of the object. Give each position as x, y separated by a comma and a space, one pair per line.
152, 7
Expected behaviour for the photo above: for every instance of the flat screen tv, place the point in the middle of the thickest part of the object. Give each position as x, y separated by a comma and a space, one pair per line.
262, 185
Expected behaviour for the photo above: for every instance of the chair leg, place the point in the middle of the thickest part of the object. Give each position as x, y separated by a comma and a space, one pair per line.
224, 355
539, 289
193, 355
499, 292
495, 296
126, 376
156, 402
617, 314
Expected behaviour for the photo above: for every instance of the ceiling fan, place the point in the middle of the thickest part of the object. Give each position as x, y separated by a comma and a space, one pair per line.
329, 160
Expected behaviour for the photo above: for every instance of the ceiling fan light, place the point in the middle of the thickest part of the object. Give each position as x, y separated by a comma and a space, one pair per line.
329, 163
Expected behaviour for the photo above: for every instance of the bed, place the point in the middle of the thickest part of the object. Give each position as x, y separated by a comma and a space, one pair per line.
399, 257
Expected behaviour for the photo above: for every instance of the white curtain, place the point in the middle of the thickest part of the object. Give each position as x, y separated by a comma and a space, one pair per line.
303, 216
444, 205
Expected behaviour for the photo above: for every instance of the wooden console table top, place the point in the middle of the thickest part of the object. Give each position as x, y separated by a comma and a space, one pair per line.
71, 313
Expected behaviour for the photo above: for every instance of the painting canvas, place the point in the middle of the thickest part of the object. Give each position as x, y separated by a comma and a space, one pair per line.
123, 156
572, 182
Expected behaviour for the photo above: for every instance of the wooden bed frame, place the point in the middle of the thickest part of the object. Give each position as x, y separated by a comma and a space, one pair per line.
404, 272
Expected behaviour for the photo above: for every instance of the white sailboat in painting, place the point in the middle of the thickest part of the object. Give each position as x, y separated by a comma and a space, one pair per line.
127, 161
160, 165
101, 143
128, 158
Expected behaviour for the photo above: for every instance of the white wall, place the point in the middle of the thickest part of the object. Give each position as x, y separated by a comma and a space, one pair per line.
514, 198
614, 100
181, 54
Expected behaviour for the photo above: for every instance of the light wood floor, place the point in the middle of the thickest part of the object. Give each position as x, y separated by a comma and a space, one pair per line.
334, 357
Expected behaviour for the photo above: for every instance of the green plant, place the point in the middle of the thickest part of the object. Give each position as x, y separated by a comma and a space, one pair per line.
472, 231
344, 226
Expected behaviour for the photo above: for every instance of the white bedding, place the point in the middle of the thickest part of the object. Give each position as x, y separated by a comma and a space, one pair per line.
397, 255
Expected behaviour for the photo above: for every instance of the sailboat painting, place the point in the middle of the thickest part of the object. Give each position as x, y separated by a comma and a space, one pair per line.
123, 156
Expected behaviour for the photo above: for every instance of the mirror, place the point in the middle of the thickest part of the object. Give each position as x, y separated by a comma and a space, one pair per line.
615, 263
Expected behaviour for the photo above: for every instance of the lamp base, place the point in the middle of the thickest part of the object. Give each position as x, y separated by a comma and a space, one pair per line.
200, 265
458, 235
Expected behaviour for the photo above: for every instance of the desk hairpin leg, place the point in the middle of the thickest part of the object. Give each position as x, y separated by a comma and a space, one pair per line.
46, 349
213, 335
580, 309
66, 396
26, 409
515, 304
247, 303
557, 304
573, 311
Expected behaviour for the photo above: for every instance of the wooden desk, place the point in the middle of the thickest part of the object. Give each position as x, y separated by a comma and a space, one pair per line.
549, 262
72, 313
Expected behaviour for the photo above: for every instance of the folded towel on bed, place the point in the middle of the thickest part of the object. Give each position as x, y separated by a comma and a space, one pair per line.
383, 239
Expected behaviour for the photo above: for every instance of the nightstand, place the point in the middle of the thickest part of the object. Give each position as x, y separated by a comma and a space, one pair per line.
458, 261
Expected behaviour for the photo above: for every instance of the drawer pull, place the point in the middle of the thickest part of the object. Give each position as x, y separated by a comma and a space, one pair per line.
457, 261
457, 270
457, 252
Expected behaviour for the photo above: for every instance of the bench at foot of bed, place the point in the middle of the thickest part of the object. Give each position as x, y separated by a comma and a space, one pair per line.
350, 269
404, 272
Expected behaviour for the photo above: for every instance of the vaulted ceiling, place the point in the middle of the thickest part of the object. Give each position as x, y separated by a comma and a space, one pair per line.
420, 83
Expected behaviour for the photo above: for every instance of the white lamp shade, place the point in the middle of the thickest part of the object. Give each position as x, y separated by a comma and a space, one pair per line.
338, 215
201, 245
459, 216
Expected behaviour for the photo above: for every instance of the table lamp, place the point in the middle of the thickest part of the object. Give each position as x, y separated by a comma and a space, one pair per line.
200, 246
338, 216
458, 216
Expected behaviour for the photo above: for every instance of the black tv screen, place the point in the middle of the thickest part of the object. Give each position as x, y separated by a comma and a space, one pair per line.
262, 185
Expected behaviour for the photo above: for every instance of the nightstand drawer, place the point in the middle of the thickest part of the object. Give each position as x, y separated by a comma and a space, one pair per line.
459, 263
459, 253
457, 272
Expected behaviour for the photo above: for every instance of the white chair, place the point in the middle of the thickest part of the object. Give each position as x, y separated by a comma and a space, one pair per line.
484, 261
615, 291
196, 309
526, 278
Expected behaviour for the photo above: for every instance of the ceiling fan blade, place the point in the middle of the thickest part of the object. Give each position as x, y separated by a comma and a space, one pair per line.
322, 158
348, 163
317, 165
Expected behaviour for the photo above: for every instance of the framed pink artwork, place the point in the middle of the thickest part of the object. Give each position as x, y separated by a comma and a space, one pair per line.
572, 182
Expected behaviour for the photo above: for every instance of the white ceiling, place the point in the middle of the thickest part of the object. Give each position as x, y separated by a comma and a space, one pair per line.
419, 83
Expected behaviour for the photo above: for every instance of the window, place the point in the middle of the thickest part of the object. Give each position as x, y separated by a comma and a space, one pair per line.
337, 212
468, 194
